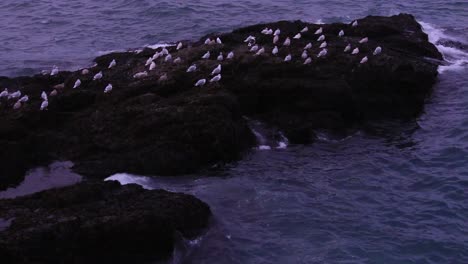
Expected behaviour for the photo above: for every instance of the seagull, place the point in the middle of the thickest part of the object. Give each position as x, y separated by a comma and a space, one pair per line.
341, 33
321, 38
304, 54
377, 51
230, 55
288, 57
84, 71
156, 55
297, 36
168, 58
54, 71
206, 56
218, 40
139, 75
355, 23
319, 31
348, 48
77, 84
98, 76
275, 39
44, 96
304, 30
24, 99
322, 53
14, 95
308, 46
17, 105
177, 60
192, 68
4, 93
149, 61
275, 50
200, 82
287, 42
220, 56
364, 40
217, 78
260, 51
307, 61
163, 78
179, 46
216, 70
164, 51
277, 32
53, 93
59, 86
355, 51
112, 64
323, 45
264, 31
152, 66
44, 105
254, 48
249, 39
364, 60
208, 41
108, 88
269, 32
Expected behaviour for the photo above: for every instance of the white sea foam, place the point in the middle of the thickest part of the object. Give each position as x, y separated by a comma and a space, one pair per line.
455, 59
125, 178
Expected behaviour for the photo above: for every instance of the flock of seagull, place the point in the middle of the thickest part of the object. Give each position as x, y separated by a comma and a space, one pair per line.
216, 73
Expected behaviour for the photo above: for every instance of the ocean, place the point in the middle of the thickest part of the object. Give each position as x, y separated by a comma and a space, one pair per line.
395, 192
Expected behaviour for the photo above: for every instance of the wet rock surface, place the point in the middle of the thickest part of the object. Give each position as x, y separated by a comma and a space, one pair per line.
169, 127
101, 222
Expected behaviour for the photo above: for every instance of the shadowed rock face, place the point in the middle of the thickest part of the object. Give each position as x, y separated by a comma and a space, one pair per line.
170, 127
98, 223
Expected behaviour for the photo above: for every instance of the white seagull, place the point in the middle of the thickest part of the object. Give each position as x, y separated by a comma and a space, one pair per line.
77, 84
288, 57
308, 46
305, 29
355, 23
275, 50
254, 48
152, 66
200, 82
192, 68
275, 39
168, 58
322, 53
24, 99
17, 105
218, 40
319, 31
348, 48
304, 54
112, 64
355, 51
4, 93
323, 45
217, 78
149, 61
220, 56
264, 31
156, 55
216, 70
139, 75
230, 55
260, 52
377, 51
54, 71
14, 95
98, 76
177, 60
321, 38
307, 61
364, 40
297, 36
206, 56
44, 96
341, 33
108, 88
287, 42
277, 32
269, 32
84, 71
164, 51
179, 46
364, 60
44, 105
163, 78
208, 41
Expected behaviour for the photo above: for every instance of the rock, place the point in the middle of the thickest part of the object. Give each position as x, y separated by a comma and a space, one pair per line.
98, 222
172, 127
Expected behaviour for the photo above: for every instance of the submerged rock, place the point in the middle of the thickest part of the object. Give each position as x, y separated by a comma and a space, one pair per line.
98, 223
170, 127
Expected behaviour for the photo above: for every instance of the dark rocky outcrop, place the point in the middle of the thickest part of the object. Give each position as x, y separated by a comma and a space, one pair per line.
170, 127
98, 223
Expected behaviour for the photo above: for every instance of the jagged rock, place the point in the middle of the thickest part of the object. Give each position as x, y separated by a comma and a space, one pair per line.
171, 127
98, 222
